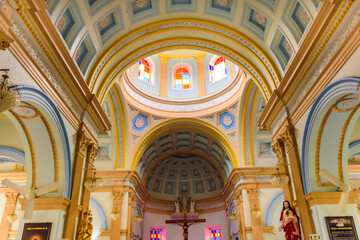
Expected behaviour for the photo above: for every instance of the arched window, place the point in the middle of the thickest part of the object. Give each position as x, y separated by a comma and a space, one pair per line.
219, 70
144, 71
182, 78
215, 233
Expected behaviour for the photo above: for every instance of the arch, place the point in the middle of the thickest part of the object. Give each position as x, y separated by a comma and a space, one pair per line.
270, 209
252, 57
100, 212
354, 148
191, 124
8, 154
39, 98
328, 96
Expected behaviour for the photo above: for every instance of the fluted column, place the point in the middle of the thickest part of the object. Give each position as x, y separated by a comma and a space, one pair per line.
294, 159
80, 153
241, 216
256, 228
117, 206
9, 208
279, 149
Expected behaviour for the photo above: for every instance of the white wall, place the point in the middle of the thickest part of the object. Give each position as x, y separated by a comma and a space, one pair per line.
196, 231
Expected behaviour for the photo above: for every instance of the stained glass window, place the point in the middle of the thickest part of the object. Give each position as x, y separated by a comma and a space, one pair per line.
215, 234
182, 78
155, 234
144, 70
218, 71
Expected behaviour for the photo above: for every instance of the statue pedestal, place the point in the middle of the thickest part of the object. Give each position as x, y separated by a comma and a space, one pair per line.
181, 215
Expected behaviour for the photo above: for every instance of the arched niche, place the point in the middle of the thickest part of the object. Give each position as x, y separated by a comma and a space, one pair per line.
327, 133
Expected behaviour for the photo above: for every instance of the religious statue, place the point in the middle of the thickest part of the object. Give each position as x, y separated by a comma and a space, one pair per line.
289, 222
184, 200
192, 206
177, 207
85, 229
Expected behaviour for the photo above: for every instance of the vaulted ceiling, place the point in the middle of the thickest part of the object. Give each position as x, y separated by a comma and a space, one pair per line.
265, 34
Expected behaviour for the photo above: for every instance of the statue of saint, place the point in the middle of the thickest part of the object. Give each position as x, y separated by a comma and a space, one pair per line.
177, 207
192, 206
289, 222
184, 201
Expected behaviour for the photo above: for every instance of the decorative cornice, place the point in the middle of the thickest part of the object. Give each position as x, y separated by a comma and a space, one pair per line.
324, 198
48, 203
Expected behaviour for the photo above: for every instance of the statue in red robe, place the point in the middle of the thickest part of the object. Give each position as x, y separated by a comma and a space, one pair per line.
289, 222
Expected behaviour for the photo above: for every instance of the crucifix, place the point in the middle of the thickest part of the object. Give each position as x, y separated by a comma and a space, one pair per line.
185, 224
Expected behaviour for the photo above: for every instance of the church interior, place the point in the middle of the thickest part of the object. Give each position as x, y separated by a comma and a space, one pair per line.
179, 119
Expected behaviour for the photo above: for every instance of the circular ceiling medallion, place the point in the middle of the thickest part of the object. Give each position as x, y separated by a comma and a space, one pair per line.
139, 123
227, 120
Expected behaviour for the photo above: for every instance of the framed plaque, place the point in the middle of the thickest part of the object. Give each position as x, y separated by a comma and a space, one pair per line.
341, 228
36, 231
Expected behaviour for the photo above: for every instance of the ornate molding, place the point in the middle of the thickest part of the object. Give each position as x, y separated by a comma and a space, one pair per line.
5, 40
279, 149
11, 197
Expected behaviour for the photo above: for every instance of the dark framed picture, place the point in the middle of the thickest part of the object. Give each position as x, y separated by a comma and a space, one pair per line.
341, 228
36, 231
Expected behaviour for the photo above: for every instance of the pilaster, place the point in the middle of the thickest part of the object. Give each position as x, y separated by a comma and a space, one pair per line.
117, 206
288, 137
9, 208
241, 216
279, 149
131, 206
256, 228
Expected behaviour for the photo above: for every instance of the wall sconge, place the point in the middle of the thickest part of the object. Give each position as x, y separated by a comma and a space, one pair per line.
115, 214
233, 217
12, 217
138, 219
9, 94
93, 183
255, 211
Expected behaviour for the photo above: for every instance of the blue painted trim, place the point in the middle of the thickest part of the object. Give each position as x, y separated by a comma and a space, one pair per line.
101, 213
340, 87
271, 208
353, 144
12, 154
31, 94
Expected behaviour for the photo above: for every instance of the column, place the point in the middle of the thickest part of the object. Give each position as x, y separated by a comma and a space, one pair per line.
117, 206
9, 208
241, 215
256, 228
80, 151
293, 154
279, 149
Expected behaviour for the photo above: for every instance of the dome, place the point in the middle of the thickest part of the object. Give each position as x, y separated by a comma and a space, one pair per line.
182, 80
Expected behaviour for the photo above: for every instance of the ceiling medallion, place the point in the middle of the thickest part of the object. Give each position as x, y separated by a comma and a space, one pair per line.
140, 3
288, 48
104, 22
227, 120
260, 19
139, 123
304, 17
62, 23
223, 3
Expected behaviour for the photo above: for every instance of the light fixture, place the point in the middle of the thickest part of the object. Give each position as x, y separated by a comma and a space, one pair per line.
278, 179
233, 216
93, 183
9, 94
138, 218
12, 217
255, 211
115, 214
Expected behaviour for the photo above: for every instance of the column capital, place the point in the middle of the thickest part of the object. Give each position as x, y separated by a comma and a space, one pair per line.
93, 151
5, 40
11, 197
252, 194
83, 142
279, 149
288, 137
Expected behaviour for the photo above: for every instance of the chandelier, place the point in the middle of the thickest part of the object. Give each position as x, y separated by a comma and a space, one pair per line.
278, 179
93, 183
9, 94
115, 214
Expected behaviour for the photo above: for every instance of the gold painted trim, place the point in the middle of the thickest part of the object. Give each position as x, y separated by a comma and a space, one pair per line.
31, 145
243, 123
154, 28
